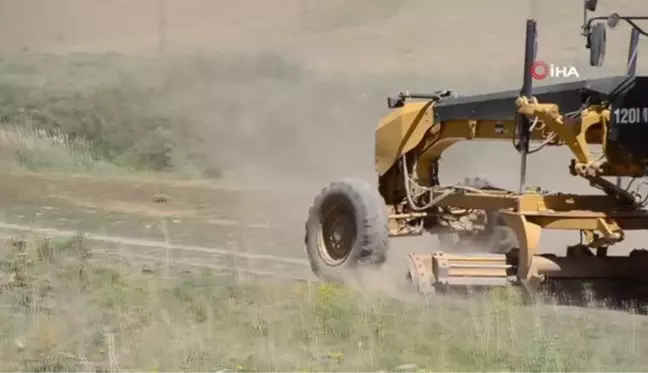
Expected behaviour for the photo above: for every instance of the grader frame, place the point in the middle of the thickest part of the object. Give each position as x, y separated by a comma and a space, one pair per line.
411, 139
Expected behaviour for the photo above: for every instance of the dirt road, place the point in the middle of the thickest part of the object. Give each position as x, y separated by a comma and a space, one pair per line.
197, 224
253, 232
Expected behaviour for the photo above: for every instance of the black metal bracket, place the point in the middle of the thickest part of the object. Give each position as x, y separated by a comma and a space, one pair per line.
399, 100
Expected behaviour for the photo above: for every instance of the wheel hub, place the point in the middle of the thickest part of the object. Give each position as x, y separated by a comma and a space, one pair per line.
337, 235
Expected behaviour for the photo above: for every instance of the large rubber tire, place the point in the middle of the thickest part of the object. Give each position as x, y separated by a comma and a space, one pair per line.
347, 226
499, 237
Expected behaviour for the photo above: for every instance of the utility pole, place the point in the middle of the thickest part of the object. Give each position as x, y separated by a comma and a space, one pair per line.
161, 26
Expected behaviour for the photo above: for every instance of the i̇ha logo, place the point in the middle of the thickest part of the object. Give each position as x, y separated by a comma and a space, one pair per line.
541, 70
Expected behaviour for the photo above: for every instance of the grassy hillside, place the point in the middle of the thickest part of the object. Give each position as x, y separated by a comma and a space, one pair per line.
252, 116
257, 115
290, 90
206, 112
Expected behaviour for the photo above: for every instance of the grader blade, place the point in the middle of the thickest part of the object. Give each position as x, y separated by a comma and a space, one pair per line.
431, 271
592, 267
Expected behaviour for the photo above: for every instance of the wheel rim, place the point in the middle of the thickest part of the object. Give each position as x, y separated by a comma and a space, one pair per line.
337, 234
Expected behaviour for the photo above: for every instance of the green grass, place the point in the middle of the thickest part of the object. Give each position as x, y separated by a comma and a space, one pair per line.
63, 310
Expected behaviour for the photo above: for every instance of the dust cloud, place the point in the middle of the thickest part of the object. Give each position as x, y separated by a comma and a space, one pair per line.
303, 112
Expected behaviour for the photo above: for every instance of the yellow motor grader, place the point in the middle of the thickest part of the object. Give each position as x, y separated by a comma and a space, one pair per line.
351, 222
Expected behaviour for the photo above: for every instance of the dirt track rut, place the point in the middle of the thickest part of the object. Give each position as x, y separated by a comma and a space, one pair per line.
143, 251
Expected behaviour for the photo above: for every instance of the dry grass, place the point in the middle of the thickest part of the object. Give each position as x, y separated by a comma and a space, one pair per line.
51, 152
62, 310
39, 150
